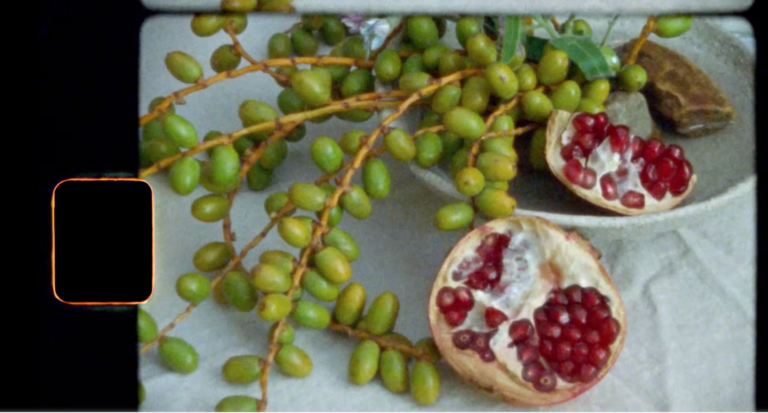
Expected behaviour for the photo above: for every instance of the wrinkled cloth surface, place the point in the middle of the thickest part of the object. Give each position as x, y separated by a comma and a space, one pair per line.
689, 294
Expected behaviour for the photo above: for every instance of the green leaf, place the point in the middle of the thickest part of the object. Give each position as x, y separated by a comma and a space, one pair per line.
534, 47
514, 33
586, 54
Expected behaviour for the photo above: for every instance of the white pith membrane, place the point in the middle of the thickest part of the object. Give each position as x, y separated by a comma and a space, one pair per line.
539, 258
560, 131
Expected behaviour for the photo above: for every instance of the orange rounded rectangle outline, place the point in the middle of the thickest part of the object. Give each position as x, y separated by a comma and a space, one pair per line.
53, 241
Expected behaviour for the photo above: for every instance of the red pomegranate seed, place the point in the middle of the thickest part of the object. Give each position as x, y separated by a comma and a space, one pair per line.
520, 330
658, 190
573, 293
562, 351
666, 169
609, 330
601, 123
608, 186
445, 299
533, 340
455, 318
539, 315
566, 369
618, 137
579, 352
480, 343
652, 150
675, 152
556, 297
494, 317
649, 174
573, 171
633, 199
675, 191
639, 164
533, 371
587, 373
577, 314
487, 356
599, 356
463, 300
598, 314
462, 339
586, 141
527, 354
546, 382
584, 122
571, 151
682, 177
590, 297
590, 336
549, 330
556, 313
588, 178
572, 333
636, 145
478, 280
546, 348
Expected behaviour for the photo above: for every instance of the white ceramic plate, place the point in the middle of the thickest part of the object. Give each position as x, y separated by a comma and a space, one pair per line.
724, 161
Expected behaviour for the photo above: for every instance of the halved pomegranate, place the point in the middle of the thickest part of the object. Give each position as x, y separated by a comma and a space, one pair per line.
609, 167
524, 310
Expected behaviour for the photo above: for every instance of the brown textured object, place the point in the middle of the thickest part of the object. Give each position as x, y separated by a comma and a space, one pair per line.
680, 92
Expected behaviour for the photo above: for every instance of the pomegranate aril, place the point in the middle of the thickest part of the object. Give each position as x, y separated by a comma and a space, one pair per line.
682, 176
487, 356
527, 354
588, 178
577, 314
584, 122
633, 199
675, 191
573, 171
636, 146
480, 343
520, 330
579, 352
649, 174
571, 151
675, 152
608, 186
539, 316
494, 317
562, 351
586, 141
609, 330
618, 137
587, 373
532, 372
445, 299
463, 339
658, 190
573, 293
598, 356
653, 148
639, 164
590, 336
666, 169
546, 382
571, 333
478, 280
590, 297
557, 297
463, 299
598, 314
549, 330
546, 348
556, 313
455, 318
566, 369
601, 123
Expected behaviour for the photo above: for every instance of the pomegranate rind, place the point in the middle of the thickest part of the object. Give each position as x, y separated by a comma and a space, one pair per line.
564, 253
557, 124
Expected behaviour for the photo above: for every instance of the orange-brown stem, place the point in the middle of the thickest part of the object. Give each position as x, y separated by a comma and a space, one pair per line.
648, 29
388, 39
230, 30
381, 341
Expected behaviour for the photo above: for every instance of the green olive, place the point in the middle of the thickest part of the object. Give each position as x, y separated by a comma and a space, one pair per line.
364, 362
414, 63
350, 141
495, 203
258, 178
350, 304
425, 382
207, 24
270, 278
279, 45
476, 94
590, 106
446, 98
193, 287
388, 66
526, 78
394, 371
146, 326
376, 179
465, 123
293, 361
180, 131
275, 202
553, 67
450, 63
502, 80
357, 82
632, 77
239, 291
467, 27
422, 31
177, 355
429, 148
303, 42
332, 30
274, 307
237, 403
319, 287
295, 232
481, 49
333, 265
433, 54
286, 335
183, 67
469, 181
225, 164
454, 216
225, 58
537, 151
213, 256
673, 25
382, 315
239, 6
279, 259
597, 90
242, 369
356, 203
536, 106
311, 315
566, 96
184, 175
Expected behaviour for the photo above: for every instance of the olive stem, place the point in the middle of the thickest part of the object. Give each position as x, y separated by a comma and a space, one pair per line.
381, 341
546, 25
567, 24
648, 29
387, 40
292, 28
609, 30
229, 28
360, 156
555, 24
163, 106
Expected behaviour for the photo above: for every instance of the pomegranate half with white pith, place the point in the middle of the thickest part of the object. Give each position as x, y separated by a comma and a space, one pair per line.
525, 311
611, 168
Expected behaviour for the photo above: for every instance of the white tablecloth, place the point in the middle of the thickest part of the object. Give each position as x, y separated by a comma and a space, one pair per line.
689, 294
